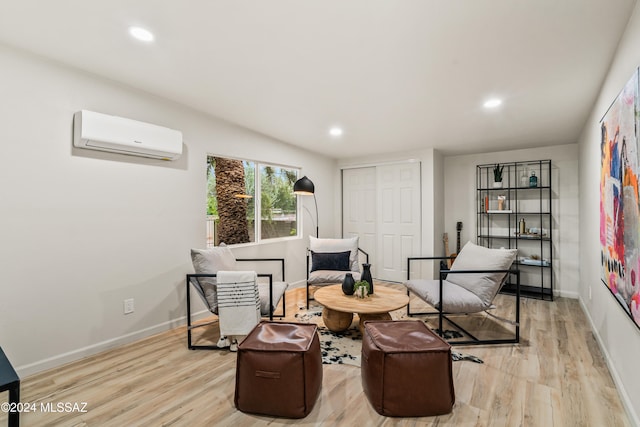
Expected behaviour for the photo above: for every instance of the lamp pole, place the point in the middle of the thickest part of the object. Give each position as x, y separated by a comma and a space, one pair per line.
317, 218
304, 187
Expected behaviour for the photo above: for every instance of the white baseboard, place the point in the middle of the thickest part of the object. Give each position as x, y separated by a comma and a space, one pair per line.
298, 284
90, 350
565, 294
61, 359
71, 356
626, 401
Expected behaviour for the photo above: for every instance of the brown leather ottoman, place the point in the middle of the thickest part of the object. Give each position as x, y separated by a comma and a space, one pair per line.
279, 370
406, 369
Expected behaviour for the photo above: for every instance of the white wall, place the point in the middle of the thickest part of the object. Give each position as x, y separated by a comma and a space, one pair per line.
460, 203
83, 230
618, 336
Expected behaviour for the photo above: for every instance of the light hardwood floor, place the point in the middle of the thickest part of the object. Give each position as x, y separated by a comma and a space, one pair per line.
556, 376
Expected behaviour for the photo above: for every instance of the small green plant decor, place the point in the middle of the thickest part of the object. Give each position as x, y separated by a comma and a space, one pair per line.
361, 289
497, 175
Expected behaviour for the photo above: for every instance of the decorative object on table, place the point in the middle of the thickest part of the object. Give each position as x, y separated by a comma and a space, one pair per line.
497, 176
524, 179
501, 200
366, 276
619, 220
533, 180
304, 187
348, 284
361, 289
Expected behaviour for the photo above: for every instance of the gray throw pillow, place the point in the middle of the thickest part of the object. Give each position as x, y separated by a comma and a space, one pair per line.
210, 261
474, 257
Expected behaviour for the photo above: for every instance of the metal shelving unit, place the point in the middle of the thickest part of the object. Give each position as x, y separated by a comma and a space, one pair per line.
497, 228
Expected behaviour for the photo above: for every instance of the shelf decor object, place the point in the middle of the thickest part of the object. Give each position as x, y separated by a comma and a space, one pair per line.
619, 219
497, 175
525, 222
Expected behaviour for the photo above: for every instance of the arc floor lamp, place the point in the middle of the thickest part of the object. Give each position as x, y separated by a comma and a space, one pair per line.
304, 187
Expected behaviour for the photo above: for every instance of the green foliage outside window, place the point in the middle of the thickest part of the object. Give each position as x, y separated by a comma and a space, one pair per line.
278, 204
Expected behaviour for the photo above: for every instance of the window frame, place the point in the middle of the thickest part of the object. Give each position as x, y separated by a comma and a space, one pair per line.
258, 240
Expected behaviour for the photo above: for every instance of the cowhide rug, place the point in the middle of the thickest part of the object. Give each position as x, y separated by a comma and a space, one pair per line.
345, 347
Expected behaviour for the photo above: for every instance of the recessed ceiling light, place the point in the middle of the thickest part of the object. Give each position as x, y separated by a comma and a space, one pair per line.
492, 103
335, 131
141, 34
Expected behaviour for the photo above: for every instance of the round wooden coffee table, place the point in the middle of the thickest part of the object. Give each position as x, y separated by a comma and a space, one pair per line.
338, 308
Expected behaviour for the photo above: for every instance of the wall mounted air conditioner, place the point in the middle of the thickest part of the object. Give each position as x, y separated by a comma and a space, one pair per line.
97, 131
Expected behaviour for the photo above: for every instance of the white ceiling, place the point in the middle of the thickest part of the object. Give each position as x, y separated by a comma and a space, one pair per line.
395, 74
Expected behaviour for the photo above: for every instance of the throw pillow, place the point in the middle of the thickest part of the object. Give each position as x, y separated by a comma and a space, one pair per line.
337, 245
210, 261
474, 257
334, 261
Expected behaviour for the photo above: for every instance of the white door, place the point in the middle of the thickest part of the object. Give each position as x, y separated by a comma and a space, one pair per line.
381, 204
359, 206
399, 219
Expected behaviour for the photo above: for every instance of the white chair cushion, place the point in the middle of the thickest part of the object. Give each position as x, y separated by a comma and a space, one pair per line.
337, 245
456, 298
474, 257
330, 276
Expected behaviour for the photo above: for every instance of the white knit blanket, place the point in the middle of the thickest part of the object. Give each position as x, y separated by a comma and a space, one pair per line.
238, 302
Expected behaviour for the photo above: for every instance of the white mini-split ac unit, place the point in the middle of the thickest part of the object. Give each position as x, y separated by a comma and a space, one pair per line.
97, 131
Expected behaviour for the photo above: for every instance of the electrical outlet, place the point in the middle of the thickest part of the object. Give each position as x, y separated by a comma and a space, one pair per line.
128, 306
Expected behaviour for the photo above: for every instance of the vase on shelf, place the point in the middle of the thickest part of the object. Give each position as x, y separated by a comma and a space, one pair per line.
348, 283
524, 179
533, 180
497, 184
366, 276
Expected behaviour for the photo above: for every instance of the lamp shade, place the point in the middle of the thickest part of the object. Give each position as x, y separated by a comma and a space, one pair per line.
304, 186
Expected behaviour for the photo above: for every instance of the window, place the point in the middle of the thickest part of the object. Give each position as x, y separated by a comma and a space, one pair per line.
249, 201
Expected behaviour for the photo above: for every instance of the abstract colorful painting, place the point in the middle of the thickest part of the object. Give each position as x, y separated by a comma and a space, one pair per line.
620, 201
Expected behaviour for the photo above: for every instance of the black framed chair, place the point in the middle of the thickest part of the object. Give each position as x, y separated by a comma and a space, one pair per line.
329, 260
469, 286
207, 263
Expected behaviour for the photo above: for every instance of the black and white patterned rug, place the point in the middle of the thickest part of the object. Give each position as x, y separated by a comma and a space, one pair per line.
342, 348
345, 347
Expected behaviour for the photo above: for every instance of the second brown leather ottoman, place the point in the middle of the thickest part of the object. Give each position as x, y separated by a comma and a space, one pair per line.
406, 369
279, 370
